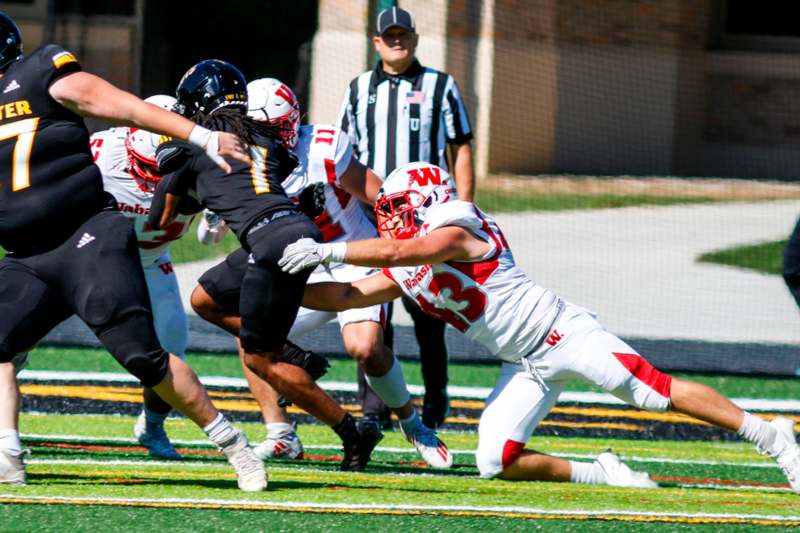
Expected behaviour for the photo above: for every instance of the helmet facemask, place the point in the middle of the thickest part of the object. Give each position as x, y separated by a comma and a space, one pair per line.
142, 165
397, 214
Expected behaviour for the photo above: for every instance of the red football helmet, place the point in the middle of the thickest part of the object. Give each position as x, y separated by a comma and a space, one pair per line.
274, 102
406, 196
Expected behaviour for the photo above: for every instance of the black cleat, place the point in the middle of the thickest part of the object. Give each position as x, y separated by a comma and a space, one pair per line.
357, 454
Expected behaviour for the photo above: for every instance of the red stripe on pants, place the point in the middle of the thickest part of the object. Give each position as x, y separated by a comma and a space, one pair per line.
645, 372
511, 450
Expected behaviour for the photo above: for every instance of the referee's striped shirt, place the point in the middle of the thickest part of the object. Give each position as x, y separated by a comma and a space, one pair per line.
393, 120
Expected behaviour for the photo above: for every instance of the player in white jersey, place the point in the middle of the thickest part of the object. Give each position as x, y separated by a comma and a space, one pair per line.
454, 261
126, 157
326, 164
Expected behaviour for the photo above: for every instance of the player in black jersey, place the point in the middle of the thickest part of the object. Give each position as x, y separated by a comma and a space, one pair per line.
69, 251
251, 201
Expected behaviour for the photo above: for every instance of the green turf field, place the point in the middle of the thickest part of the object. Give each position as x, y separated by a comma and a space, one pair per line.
464, 374
87, 473
764, 257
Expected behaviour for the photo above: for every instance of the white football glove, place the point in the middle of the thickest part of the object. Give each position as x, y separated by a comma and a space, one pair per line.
308, 253
209, 141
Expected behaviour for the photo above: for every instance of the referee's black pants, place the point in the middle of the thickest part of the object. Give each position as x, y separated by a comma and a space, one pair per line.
429, 333
791, 263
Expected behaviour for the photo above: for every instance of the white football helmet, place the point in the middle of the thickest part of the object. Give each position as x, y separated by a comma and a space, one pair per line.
141, 146
407, 194
273, 101
163, 101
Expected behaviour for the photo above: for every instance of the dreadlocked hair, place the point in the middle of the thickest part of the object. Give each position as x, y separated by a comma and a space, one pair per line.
234, 121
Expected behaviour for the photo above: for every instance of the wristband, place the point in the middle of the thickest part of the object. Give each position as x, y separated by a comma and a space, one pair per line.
200, 136
338, 251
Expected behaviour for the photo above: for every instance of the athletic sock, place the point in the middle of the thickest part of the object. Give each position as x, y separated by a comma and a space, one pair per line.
759, 432
347, 430
279, 428
221, 432
9, 440
391, 387
588, 473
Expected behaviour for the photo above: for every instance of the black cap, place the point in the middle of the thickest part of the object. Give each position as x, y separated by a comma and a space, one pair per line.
395, 16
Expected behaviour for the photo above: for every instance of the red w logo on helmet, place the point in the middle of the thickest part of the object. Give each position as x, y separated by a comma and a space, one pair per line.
284, 92
425, 175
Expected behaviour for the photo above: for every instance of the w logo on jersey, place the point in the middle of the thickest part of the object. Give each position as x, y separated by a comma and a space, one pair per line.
553, 338
425, 175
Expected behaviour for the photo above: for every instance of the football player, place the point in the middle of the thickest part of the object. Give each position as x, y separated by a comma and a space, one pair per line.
453, 260
69, 251
326, 164
252, 202
127, 161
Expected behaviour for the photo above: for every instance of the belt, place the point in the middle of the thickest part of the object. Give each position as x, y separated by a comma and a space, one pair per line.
272, 217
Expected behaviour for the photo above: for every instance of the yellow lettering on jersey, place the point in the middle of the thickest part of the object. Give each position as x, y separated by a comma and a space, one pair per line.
63, 58
15, 109
258, 168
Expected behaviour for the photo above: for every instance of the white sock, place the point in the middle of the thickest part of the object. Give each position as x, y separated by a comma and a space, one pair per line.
221, 432
588, 473
391, 387
279, 428
758, 431
9, 440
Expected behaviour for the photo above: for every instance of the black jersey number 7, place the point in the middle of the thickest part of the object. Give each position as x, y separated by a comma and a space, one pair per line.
23, 131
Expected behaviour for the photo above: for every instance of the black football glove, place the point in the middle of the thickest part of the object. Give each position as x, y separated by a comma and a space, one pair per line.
312, 200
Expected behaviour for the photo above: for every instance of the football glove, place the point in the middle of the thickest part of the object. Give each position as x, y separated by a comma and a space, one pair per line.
312, 200
308, 253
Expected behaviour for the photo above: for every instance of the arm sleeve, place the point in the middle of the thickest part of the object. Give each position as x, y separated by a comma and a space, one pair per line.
454, 114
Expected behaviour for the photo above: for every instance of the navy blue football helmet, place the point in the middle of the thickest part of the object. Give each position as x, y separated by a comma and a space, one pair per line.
10, 42
210, 85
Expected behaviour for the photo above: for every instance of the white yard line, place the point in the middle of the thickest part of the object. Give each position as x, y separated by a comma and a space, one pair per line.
470, 393
388, 449
288, 506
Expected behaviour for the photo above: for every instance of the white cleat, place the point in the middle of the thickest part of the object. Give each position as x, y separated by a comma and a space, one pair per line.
618, 474
282, 445
786, 452
12, 467
429, 446
250, 472
155, 439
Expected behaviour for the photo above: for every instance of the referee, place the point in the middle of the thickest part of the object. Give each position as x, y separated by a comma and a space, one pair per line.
397, 113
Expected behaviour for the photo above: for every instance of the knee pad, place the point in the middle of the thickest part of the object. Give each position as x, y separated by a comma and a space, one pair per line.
492, 459
133, 343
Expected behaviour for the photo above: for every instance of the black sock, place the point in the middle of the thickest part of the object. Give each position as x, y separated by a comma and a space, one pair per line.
347, 430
